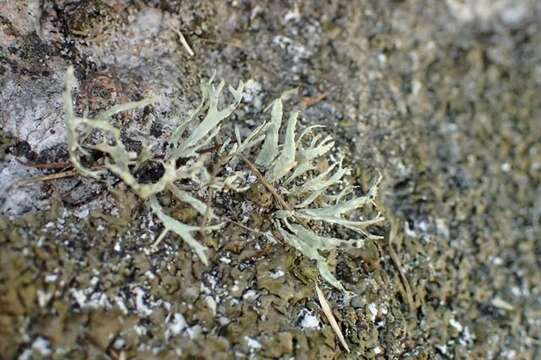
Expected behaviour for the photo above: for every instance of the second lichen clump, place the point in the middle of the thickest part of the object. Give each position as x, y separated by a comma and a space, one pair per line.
308, 197
307, 200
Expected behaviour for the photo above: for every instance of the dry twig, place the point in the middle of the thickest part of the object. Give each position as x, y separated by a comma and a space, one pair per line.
328, 313
184, 42
311, 101
396, 261
60, 175
265, 183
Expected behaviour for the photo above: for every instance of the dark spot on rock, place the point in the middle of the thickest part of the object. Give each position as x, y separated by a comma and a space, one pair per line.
343, 272
56, 153
181, 162
31, 156
147, 110
132, 145
21, 148
491, 312
150, 172
35, 48
156, 129
377, 230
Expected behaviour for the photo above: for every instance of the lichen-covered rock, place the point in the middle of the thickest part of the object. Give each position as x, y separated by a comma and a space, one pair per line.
442, 97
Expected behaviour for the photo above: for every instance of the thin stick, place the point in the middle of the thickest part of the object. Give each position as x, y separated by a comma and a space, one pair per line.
159, 239
60, 175
223, 42
242, 226
396, 262
55, 165
269, 187
311, 101
206, 217
184, 42
215, 171
330, 316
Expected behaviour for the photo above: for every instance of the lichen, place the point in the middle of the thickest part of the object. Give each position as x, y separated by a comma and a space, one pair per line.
82, 132
306, 197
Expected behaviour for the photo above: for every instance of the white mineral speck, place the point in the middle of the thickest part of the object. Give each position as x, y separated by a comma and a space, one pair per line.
225, 260
79, 297
211, 303
442, 349
250, 295
292, 16
308, 320
458, 326
176, 326
373, 310
252, 343
120, 304
253, 93
509, 354
51, 278
142, 308
194, 331
44, 298
83, 213
140, 330
223, 320
42, 346
276, 274
119, 343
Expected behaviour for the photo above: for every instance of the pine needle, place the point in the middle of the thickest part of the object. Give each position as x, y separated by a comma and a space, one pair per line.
328, 313
184, 43
56, 176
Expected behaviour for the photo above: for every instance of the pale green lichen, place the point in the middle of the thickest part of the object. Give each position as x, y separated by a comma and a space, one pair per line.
123, 163
312, 197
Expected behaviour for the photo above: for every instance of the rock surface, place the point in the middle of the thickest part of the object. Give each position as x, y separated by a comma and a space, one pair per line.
441, 97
